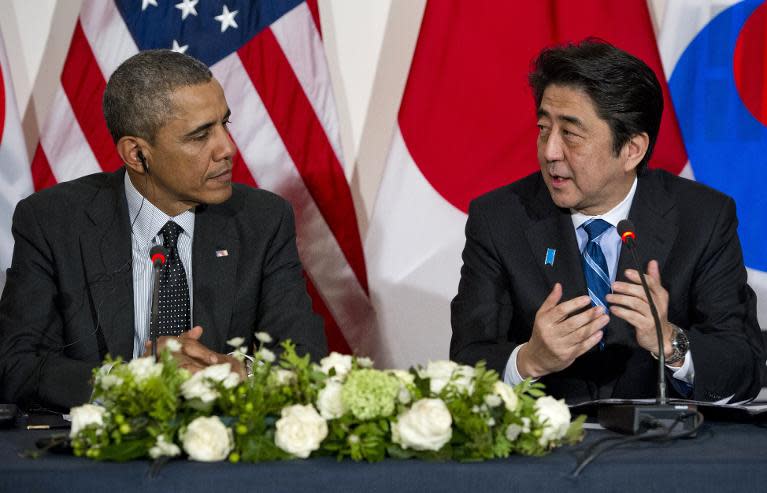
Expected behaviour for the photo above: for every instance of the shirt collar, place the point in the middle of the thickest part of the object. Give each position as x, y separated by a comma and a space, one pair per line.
147, 220
613, 216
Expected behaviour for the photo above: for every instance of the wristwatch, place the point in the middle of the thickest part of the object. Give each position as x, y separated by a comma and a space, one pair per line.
679, 343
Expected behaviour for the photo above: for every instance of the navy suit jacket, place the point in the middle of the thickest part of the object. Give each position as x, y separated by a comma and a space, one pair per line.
690, 229
68, 298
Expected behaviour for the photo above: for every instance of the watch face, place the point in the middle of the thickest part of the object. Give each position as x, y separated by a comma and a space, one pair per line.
680, 342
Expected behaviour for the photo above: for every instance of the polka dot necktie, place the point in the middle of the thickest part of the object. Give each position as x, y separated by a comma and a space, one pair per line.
595, 265
173, 303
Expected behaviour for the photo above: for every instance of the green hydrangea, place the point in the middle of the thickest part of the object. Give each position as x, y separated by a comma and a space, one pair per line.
370, 394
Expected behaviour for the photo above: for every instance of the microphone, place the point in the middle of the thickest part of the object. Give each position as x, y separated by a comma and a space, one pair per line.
628, 237
639, 418
158, 254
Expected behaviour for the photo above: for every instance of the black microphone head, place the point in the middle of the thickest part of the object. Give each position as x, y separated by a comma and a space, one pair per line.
158, 254
625, 225
626, 231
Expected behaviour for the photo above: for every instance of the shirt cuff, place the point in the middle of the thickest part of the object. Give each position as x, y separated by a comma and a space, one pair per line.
686, 372
511, 374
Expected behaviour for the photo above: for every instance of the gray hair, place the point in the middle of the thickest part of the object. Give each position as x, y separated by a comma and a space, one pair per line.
137, 100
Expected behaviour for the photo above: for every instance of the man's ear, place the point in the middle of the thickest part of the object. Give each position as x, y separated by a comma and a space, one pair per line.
635, 150
134, 152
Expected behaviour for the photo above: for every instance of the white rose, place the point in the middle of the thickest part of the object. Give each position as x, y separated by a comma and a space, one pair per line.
198, 387
84, 416
493, 400
300, 430
283, 376
427, 425
507, 394
341, 362
164, 448
404, 395
439, 374
144, 368
329, 400
513, 431
263, 337
405, 377
365, 362
266, 355
173, 345
555, 417
235, 342
222, 373
206, 439
109, 381
465, 379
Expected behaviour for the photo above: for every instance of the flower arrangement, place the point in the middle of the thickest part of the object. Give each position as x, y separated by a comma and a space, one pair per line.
292, 408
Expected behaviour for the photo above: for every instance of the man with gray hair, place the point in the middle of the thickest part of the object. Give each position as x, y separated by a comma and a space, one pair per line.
80, 284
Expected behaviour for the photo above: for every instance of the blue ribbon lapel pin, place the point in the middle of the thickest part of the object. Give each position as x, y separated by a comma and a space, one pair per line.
550, 254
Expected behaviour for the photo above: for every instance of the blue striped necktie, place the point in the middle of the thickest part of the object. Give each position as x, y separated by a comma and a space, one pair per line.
595, 265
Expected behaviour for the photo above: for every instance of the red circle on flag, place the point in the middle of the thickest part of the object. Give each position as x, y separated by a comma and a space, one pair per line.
468, 117
750, 64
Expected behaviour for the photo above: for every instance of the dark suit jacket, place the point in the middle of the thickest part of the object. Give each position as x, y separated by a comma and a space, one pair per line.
690, 229
68, 299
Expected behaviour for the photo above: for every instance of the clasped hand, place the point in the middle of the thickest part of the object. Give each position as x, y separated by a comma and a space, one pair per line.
193, 355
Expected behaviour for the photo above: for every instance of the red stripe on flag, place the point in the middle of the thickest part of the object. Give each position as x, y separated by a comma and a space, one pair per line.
336, 340
306, 142
84, 86
42, 176
315, 10
240, 171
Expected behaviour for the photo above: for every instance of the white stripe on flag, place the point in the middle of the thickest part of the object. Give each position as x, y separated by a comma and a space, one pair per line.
68, 152
15, 174
107, 35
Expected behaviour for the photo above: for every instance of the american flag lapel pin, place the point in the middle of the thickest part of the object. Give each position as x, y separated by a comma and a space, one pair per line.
222, 253
550, 254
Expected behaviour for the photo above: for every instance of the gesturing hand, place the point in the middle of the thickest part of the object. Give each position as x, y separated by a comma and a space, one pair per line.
629, 302
560, 334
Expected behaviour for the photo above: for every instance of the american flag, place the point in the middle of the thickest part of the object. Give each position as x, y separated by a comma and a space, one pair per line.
268, 56
15, 180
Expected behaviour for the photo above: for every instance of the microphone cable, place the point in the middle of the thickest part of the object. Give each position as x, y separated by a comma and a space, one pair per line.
660, 434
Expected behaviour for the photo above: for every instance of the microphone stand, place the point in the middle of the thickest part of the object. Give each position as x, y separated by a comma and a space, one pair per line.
636, 419
157, 254
153, 321
658, 329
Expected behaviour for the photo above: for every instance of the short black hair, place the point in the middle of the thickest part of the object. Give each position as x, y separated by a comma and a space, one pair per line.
137, 99
625, 91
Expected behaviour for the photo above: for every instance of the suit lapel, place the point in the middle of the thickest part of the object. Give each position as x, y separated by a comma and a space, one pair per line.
107, 258
215, 255
653, 216
554, 230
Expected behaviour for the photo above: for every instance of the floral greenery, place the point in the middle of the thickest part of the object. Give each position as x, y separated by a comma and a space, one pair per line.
290, 407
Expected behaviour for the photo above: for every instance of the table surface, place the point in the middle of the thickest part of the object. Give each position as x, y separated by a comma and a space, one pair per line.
723, 457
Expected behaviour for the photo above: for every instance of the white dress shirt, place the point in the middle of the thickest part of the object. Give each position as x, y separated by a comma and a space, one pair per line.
610, 242
146, 223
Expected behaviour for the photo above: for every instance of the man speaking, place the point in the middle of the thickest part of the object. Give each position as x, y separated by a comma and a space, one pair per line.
547, 292
80, 284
